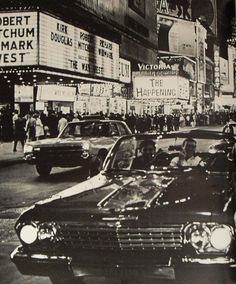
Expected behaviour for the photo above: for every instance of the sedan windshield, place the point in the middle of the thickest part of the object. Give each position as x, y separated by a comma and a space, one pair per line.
86, 129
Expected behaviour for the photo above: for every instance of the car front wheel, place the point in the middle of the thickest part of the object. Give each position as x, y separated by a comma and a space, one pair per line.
43, 170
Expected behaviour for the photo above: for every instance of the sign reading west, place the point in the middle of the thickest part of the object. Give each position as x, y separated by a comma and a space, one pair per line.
18, 39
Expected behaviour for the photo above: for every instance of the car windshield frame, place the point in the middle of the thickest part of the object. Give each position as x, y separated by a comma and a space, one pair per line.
217, 137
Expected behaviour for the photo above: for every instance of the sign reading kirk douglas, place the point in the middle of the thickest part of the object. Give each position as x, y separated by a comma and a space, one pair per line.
18, 39
70, 48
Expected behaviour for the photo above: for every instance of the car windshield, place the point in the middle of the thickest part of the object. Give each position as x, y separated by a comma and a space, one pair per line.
150, 153
86, 129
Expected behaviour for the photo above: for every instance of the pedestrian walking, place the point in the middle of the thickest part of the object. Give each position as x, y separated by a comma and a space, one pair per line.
19, 132
30, 127
39, 131
62, 122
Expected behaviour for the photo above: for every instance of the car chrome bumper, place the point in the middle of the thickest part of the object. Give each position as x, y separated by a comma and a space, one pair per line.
210, 261
42, 264
30, 158
39, 264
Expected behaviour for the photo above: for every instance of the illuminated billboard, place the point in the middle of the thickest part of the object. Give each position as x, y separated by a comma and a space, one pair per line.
32, 38
18, 39
172, 39
190, 10
70, 48
161, 88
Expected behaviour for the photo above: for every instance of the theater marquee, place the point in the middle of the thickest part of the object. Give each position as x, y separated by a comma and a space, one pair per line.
70, 48
34, 38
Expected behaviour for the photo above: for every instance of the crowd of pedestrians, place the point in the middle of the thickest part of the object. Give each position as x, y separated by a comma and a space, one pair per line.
37, 125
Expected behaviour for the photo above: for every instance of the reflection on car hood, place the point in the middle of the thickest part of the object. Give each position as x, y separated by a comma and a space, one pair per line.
58, 141
139, 192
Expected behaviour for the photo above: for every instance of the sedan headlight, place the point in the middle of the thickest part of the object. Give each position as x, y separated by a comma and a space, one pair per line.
86, 146
209, 237
44, 232
28, 148
29, 233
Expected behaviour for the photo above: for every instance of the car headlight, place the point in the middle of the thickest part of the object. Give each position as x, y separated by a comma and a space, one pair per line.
209, 237
85, 146
29, 233
221, 237
28, 148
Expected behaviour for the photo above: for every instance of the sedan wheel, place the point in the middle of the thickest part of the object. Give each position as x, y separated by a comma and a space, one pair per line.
43, 170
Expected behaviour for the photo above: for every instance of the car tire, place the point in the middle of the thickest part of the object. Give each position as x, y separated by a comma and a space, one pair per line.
43, 170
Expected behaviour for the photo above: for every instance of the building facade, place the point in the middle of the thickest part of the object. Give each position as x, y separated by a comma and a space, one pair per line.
55, 56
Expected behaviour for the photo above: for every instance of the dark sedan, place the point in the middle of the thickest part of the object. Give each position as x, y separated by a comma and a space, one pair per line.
83, 143
155, 219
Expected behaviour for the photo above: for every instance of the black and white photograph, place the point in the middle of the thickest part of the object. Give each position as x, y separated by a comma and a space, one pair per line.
117, 141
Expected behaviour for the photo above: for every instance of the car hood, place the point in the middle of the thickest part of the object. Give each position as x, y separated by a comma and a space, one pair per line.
165, 195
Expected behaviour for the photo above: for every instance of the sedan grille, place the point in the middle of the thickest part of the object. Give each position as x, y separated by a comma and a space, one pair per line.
123, 238
60, 149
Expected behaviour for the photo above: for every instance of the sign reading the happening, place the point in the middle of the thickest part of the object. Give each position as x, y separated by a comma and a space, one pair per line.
161, 88
18, 39
70, 48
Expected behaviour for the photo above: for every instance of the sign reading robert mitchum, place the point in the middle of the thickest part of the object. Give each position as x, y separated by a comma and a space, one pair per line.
70, 48
18, 39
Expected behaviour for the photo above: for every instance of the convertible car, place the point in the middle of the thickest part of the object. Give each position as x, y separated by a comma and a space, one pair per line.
139, 224
83, 143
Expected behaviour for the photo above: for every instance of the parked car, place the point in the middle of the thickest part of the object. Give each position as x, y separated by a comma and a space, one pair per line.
132, 222
83, 143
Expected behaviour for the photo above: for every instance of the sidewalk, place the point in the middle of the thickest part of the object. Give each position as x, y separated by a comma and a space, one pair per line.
7, 156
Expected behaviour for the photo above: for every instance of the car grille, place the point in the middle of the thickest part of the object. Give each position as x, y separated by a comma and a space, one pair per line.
60, 149
123, 238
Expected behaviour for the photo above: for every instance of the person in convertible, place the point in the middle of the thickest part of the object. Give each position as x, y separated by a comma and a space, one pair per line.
187, 157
